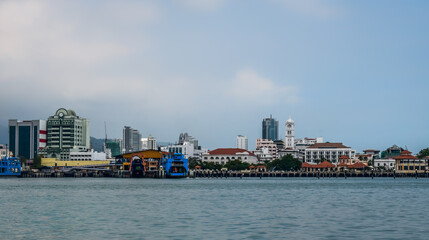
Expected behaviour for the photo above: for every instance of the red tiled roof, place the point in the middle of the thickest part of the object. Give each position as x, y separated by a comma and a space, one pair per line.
402, 157
344, 157
328, 145
357, 165
371, 150
363, 155
306, 165
325, 164
229, 151
405, 152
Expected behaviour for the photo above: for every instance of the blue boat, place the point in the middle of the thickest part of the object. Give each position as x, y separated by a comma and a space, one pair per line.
10, 166
175, 165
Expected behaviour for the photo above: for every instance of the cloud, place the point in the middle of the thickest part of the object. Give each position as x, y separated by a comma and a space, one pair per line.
249, 87
314, 8
202, 5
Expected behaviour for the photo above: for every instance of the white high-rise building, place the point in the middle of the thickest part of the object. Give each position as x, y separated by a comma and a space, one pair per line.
242, 142
290, 134
151, 142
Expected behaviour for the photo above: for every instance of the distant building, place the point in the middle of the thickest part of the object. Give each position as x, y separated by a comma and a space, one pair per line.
407, 163
290, 134
263, 155
387, 163
87, 156
375, 153
115, 148
187, 149
27, 137
224, 155
270, 129
392, 152
132, 139
151, 143
242, 142
185, 137
268, 144
327, 151
67, 133
3, 151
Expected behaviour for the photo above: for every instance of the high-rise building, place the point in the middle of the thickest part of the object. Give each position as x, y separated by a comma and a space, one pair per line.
115, 148
151, 142
270, 129
184, 137
67, 133
132, 139
290, 134
26, 137
242, 142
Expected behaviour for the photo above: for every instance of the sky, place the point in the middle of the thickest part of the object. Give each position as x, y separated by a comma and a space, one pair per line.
348, 71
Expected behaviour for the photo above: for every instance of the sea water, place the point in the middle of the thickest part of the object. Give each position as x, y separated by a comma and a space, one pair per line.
233, 208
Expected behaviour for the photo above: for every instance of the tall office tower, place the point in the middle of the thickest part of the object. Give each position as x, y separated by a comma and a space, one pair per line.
290, 134
242, 142
270, 129
132, 139
26, 137
151, 142
67, 133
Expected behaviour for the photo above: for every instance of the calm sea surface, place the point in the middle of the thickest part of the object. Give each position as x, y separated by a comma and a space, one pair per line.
271, 208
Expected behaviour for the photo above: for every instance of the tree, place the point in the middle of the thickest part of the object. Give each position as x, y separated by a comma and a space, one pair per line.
37, 161
423, 153
286, 163
237, 165
23, 160
193, 162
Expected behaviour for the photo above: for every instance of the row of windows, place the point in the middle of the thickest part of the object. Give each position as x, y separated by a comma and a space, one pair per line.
222, 158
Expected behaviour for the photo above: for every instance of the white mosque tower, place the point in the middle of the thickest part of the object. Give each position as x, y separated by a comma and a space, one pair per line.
290, 134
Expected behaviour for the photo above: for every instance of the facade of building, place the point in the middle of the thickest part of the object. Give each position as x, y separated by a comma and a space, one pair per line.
87, 156
187, 149
27, 137
132, 139
151, 143
375, 153
263, 155
392, 152
407, 163
386, 163
327, 151
224, 155
242, 142
268, 144
290, 134
115, 148
3, 151
185, 137
67, 133
270, 129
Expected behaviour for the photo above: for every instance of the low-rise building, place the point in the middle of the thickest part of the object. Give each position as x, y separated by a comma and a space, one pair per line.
327, 151
386, 163
87, 156
223, 155
268, 144
407, 163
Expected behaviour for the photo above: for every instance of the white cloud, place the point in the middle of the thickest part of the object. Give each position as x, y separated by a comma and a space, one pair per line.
249, 87
315, 8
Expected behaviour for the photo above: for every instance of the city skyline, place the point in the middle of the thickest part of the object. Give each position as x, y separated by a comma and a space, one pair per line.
351, 72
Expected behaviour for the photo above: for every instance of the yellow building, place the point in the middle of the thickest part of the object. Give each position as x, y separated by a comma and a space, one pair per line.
53, 162
407, 163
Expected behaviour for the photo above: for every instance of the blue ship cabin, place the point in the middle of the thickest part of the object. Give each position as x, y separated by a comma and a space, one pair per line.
10, 166
175, 165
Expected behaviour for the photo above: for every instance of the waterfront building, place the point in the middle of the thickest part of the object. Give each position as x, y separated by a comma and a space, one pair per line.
392, 152
270, 129
407, 163
88, 156
67, 133
386, 163
132, 139
327, 151
187, 149
242, 142
3, 151
26, 137
323, 166
294, 152
290, 134
224, 155
268, 144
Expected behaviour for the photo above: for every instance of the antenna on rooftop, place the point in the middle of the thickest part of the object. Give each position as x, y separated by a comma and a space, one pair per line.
105, 133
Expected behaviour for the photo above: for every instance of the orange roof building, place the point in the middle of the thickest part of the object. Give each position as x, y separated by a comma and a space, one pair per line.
407, 163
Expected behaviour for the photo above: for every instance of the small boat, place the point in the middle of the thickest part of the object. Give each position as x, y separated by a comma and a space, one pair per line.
175, 165
10, 166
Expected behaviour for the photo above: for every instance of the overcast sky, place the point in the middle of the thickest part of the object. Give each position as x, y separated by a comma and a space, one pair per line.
349, 71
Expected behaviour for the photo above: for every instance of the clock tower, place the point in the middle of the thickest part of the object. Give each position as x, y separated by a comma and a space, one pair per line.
290, 134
